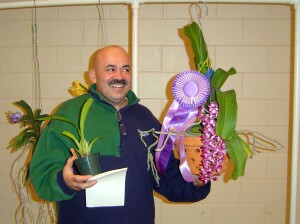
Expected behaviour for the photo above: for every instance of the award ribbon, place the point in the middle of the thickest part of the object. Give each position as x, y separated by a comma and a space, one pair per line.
190, 90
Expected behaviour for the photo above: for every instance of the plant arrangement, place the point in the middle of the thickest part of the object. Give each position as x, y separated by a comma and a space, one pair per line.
215, 122
217, 117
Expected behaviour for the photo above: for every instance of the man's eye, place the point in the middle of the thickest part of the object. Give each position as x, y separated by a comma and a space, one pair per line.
126, 69
110, 70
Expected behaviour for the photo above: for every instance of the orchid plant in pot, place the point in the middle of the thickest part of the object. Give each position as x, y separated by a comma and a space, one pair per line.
202, 111
217, 117
87, 163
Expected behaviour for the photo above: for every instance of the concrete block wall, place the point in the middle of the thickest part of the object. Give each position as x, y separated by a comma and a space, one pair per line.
256, 39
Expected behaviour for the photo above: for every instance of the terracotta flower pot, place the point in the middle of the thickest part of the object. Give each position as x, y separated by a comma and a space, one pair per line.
193, 155
89, 165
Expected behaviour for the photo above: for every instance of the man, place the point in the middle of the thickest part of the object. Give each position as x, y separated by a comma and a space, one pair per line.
117, 117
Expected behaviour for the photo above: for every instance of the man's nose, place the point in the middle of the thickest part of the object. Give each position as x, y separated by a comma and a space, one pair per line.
119, 74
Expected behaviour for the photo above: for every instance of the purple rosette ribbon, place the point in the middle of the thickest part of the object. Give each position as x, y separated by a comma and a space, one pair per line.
190, 90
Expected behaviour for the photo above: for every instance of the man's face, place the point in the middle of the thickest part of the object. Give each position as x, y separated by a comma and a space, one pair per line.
112, 75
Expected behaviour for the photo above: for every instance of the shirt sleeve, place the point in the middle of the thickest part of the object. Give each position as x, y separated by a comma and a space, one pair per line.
46, 165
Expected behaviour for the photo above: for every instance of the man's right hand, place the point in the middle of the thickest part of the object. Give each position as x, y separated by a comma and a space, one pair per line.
75, 182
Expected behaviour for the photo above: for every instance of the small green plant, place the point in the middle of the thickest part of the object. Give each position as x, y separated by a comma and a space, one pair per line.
83, 146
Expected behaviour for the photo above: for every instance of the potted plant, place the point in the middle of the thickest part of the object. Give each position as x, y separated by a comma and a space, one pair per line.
217, 117
87, 163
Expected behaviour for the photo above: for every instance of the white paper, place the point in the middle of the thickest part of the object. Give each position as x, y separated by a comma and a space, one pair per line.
109, 189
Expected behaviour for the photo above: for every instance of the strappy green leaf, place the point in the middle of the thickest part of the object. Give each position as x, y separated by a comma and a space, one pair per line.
237, 155
194, 33
220, 76
227, 117
83, 115
71, 136
26, 107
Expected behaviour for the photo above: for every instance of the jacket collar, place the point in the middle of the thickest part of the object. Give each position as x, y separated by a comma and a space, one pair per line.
132, 98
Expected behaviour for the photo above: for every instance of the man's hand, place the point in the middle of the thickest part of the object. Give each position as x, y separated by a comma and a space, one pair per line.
198, 182
75, 182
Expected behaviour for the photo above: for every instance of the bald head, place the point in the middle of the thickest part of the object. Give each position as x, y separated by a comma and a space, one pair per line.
111, 73
107, 51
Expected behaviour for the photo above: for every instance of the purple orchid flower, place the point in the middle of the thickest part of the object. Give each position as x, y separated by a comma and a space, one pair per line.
15, 117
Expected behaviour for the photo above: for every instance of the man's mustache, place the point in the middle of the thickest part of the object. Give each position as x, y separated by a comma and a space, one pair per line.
118, 81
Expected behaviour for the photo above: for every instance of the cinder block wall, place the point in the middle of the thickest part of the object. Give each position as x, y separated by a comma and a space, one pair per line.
256, 39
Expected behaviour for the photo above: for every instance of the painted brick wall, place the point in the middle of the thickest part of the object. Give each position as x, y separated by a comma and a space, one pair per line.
256, 39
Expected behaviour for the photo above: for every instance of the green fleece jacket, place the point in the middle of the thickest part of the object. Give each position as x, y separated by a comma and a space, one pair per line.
53, 148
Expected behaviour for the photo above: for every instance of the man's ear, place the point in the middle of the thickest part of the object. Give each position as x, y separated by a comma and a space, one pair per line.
92, 75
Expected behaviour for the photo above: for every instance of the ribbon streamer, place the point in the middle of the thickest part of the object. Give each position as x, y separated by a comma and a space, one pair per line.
190, 90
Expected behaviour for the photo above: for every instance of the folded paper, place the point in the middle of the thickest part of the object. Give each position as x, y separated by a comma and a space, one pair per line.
109, 189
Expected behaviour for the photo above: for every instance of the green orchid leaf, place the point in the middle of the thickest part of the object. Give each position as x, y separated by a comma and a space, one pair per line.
43, 116
83, 115
194, 33
245, 147
27, 121
39, 121
227, 116
85, 150
37, 113
195, 129
220, 76
54, 117
237, 155
212, 96
26, 107
232, 71
93, 141
36, 124
26, 136
15, 143
71, 136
